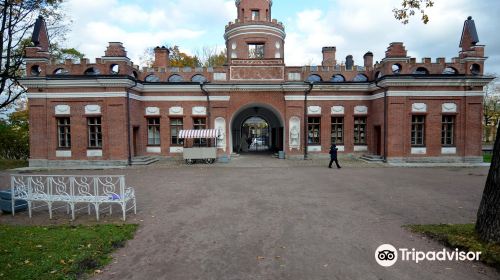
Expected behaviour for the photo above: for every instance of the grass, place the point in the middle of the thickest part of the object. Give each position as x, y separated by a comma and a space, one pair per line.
58, 252
462, 237
487, 157
12, 163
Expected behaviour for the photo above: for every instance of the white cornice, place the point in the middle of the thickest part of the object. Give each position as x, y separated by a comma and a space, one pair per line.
381, 95
75, 83
83, 95
254, 28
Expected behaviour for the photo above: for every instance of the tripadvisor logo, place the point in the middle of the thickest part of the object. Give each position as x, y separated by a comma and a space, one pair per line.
387, 255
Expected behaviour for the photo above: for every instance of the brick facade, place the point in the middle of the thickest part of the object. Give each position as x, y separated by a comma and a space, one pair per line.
386, 94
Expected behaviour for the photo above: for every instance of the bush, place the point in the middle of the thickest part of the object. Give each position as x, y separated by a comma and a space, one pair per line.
14, 136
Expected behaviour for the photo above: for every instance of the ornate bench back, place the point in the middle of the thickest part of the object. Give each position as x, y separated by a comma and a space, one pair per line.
67, 187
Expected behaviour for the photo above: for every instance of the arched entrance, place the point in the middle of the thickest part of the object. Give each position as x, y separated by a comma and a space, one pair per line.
257, 128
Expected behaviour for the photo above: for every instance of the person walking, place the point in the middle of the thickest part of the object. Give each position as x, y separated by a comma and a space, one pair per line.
333, 156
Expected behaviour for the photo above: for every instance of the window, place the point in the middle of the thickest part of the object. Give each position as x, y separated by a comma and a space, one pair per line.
360, 131
198, 78
175, 79
448, 131
360, 78
314, 78
338, 79
314, 130
200, 123
256, 51
63, 133
421, 71
94, 132
176, 126
417, 130
153, 131
396, 69
255, 15
337, 130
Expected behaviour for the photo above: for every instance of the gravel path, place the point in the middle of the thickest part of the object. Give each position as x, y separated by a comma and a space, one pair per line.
274, 220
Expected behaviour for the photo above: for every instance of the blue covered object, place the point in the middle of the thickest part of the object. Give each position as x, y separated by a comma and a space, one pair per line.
6, 203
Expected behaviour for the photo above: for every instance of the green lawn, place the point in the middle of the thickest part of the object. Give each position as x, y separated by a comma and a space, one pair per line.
58, 252
11, 163
462, 237
487, 157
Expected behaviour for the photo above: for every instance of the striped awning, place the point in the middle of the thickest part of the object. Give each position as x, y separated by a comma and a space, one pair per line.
198, 133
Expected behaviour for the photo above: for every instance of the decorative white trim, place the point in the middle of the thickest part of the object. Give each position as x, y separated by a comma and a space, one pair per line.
314, 110
361, 110
152, 111
448, 150
314, 148
360, 148
179, 98
199, 111
419, 151
418, 108
338, 110
153, 150
341, 148
222, 76
63, 153
176, 150
237, 31
92, 109
94, 153
449, 107
381, 95
62, 110
177, 110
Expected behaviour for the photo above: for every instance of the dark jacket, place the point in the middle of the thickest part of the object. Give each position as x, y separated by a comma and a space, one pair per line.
333, 152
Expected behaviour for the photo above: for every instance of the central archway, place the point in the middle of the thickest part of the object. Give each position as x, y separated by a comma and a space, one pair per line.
260, 123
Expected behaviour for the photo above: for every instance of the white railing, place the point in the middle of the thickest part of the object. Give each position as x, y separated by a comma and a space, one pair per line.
73, 190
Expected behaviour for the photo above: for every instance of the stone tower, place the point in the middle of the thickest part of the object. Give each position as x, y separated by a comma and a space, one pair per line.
254, 34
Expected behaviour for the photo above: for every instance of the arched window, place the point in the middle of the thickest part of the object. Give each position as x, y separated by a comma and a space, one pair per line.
378, 75
114, 69
475, 69
36, 70
198, 78
92, 71
152, 78
338, 79
450, 71
314, 78
135, 75
396, 68
175, 79
421, 71
360, 78
60, 71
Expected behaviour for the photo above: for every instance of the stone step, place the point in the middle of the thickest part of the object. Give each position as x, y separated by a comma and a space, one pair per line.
372, 158
144, 160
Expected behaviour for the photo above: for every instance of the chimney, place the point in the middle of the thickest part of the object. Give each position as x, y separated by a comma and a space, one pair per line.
349, 62
329, 56
368, 57
161, 57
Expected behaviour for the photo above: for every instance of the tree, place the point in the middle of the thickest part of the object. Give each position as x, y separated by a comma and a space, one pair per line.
491, 110
16, 21
180, 59
208, 57
14, 133
410, 8
488, 215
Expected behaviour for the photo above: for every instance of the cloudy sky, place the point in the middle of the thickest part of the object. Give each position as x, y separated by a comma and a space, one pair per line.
353, 26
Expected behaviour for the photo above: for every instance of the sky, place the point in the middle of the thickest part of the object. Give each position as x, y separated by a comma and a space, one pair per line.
353, 26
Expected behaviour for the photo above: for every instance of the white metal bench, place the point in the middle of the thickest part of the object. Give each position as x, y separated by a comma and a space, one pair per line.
69, 190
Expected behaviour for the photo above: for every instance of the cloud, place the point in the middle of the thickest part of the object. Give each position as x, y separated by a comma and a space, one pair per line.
353, 26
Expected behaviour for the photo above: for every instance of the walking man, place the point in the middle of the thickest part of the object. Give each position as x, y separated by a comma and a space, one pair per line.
333, 156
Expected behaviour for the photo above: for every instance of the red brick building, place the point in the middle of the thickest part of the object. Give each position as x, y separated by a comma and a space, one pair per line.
111, 111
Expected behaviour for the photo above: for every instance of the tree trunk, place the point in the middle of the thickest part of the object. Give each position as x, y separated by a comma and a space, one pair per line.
488, 215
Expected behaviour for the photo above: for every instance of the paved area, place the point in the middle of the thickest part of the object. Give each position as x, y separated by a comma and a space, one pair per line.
286, 222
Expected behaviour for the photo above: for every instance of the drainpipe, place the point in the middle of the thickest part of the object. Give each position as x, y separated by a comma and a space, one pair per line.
306, 93
129, 158
207, 94
385, 119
